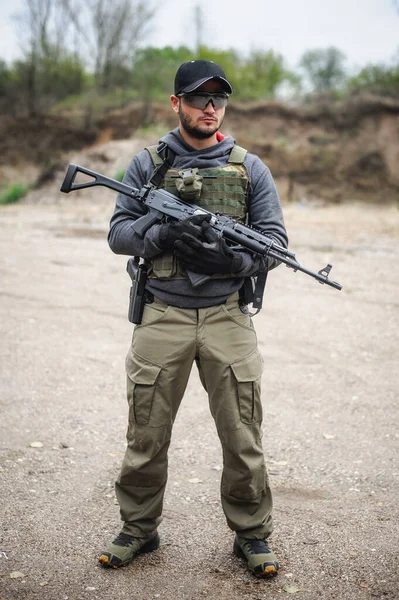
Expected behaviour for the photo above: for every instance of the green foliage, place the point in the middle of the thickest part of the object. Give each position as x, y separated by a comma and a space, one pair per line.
62, 76
57, 80
154, 70
381, 79
119, 175
228, 59
5, 75
11, 84
324, 68
261, 75
155, 131
98, 103
12, 193
253, 78
35, 85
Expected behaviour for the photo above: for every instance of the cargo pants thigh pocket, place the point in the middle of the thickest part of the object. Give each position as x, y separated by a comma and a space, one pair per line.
142, 378
247, 373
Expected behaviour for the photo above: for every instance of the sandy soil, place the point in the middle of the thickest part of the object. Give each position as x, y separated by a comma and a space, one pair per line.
330, 417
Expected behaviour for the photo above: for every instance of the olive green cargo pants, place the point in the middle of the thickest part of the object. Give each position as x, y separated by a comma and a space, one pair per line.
222, 341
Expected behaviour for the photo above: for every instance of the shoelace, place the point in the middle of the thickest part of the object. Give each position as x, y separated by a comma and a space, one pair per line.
123, 539
257, 546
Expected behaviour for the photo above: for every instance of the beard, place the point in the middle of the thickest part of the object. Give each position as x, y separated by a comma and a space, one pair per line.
196, 131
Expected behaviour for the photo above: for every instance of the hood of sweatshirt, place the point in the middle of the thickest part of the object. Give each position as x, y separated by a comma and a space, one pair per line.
189, 157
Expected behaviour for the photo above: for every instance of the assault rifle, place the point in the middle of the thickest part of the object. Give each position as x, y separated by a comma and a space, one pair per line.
161, 203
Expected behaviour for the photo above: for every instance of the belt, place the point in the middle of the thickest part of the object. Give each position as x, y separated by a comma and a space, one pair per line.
150, 299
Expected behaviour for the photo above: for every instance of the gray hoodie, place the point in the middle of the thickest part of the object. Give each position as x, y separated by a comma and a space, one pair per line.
264, 213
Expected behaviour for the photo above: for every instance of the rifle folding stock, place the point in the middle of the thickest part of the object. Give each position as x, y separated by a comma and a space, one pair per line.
161, 203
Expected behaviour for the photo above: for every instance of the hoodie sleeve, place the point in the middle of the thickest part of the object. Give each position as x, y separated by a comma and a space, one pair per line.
122, 238
265, 212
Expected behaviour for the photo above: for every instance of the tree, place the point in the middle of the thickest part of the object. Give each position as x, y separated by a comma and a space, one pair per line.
109, 33
379, 79
35, 43
5, 85
154, 70
60, 37
4, 77
48, 68
256, 77
261, 74
199, 27
324, 68
227, 59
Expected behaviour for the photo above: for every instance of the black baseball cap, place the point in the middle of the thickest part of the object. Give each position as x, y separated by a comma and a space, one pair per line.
191, 75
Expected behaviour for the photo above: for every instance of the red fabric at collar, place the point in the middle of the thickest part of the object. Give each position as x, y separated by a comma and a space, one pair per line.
219, 136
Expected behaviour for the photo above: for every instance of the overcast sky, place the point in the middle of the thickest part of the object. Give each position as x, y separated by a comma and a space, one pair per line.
366, 31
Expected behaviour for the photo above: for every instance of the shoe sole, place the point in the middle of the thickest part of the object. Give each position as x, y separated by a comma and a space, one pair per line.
106, 558
270, 570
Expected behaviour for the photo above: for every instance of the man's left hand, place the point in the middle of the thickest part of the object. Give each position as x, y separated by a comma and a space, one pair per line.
209, 257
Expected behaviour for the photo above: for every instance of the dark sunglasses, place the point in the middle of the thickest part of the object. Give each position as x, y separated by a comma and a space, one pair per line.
202, 99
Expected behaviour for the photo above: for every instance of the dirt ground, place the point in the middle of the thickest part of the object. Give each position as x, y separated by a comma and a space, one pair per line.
330, 417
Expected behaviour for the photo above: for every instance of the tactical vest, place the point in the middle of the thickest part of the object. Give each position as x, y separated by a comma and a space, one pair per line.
218, 189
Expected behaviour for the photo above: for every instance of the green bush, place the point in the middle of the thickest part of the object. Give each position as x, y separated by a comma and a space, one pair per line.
12, 193
380, 79
119, 175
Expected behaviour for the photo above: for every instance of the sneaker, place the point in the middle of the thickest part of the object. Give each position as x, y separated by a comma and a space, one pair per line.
124, 549
260, 558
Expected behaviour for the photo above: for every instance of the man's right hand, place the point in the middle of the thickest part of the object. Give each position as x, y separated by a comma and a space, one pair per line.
170, 232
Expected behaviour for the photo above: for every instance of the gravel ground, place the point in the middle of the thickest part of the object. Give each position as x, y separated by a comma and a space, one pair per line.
330, 417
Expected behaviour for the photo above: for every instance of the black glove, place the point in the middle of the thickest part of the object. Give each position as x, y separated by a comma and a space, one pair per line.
209, 257
170, 232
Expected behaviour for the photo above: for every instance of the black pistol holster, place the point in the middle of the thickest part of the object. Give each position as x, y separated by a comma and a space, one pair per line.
252, 291
138, 274
136, 269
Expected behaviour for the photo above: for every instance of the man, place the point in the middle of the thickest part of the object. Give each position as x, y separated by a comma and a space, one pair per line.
195, 311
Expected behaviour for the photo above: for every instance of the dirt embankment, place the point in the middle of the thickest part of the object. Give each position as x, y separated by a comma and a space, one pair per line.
327, 152
340, 151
